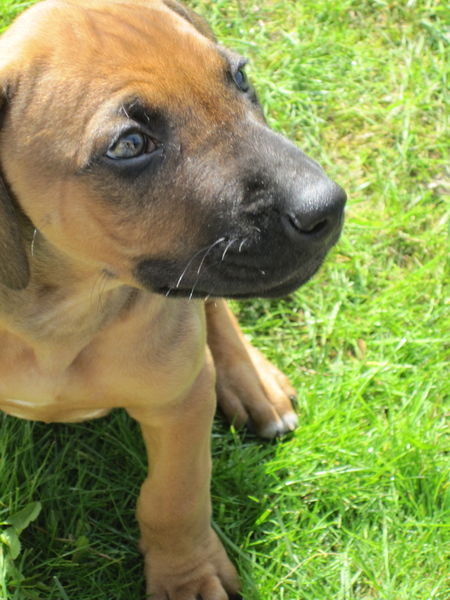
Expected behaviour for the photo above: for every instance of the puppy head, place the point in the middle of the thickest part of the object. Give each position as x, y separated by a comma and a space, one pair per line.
135, 144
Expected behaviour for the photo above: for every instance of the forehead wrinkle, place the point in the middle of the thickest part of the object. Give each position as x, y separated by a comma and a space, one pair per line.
106, 43
173, 64
164, 50
108, 34
138, 28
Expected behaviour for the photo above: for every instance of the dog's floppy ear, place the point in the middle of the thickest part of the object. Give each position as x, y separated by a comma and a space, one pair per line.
193, 18
14, 267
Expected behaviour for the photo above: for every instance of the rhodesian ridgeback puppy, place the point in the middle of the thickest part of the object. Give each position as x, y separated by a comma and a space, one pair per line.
140, 185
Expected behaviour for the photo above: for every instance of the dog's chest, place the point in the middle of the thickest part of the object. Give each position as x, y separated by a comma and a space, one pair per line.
31, 386
150, 354
42, 341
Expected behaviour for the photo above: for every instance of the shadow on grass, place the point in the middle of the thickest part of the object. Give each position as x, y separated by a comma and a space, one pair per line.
88, 476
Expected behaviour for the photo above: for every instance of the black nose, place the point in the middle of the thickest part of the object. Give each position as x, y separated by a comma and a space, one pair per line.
315, 211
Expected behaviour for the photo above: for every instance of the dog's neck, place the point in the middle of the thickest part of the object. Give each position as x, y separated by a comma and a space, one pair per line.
64, 300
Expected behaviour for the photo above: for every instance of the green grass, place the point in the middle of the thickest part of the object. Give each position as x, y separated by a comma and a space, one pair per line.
356, 504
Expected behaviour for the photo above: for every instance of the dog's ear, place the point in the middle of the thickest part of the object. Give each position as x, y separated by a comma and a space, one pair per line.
193, 18
14, 267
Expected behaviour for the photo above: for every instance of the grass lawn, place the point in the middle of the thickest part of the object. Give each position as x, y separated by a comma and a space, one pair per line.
356, 504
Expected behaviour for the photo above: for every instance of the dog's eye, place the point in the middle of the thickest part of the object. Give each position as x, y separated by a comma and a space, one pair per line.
240, 78
130, 145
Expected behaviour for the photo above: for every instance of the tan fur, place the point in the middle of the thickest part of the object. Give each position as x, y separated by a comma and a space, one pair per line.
79, 335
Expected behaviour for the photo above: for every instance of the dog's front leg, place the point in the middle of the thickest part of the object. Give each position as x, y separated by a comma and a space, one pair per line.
250, 389
184, 559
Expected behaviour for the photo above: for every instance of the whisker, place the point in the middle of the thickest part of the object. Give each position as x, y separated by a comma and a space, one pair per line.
100, 282
33, 241
207, 252
209, 267
97, 280
125, 111
104, 280
227, 248
241, 245
189, 264
207, 248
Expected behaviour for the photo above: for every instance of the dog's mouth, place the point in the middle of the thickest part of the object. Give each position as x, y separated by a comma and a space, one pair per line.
226, 291
230, 274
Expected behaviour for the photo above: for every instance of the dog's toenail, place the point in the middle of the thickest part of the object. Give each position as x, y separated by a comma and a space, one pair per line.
290, 421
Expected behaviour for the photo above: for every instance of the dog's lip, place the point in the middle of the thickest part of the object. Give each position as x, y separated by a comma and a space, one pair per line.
241, 275
256, 287
194, 293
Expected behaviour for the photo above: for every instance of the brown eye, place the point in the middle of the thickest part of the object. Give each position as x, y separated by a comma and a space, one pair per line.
130, 145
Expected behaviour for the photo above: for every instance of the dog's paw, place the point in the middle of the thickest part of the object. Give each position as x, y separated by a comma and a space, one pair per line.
205, 573
252, 391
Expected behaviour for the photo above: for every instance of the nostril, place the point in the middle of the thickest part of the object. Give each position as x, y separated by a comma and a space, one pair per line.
305, 227
318, 228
